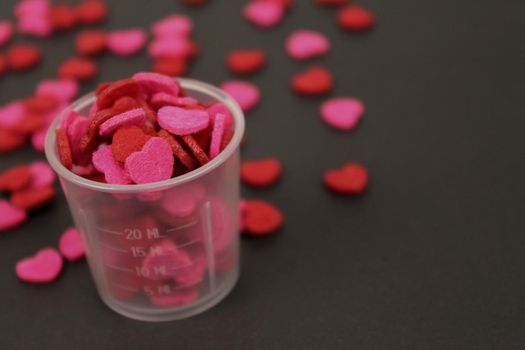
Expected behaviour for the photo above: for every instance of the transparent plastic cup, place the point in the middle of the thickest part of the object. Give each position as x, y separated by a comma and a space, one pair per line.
166, 250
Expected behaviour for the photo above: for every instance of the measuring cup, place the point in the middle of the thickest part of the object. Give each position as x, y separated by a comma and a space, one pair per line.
165, 250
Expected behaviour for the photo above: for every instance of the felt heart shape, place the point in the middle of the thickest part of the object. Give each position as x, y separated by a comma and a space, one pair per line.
105, 163
131, 117
6, 32
246, 61
313, 81
154, 163
10, 140
41, 174
260, 218
90, 42
45, 266
173, 26
355, 18
11, 114
170, 66
152, 83
221, 108
245, 94
179, 121
78, 68
217, 135
64, 89
75, 132
170, 46
21, 57
15, 178
10, 216
35, 25
162, 99
38, 139
264, 14
71, 245
126, 42
304, 44
63, 17
260, 173
342, 113
351, 179
126, 140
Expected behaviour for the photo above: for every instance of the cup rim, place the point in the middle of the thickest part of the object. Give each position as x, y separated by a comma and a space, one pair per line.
186, 83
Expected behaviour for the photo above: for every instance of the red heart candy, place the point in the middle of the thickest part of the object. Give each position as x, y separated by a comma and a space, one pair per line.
10, 140
63, 17
43, 267
32, 198
352, 178
355, 18
3, 64
260, 218
40, 104
126, 140
77, 68
313, 81
92, 11
170, 66
15, 178
246, 61
262, 172
90, 42
23, 56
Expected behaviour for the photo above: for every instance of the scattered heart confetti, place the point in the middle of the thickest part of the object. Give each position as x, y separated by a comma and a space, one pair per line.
10, 216
342, 113
126, 42
71, 245
246, 94
351, 179
246, 61
305, 44
45, 266
264, 14
260, 218
261, 173
314, 81
355, 18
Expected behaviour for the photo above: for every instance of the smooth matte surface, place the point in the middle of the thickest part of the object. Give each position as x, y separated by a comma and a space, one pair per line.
432, 257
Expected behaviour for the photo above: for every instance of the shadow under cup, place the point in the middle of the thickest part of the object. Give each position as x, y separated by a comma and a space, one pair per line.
165, 250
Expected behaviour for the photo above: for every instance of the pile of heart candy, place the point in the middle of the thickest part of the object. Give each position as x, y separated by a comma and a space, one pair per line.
108, 144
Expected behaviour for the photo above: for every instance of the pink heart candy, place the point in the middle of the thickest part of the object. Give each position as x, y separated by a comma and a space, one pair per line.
45, 266
41, 174
131, 117
342, 113
162, 99
6, 32
304, 44
11, 114
246, 94
126, 42
221, 108
217, 135
71, 245
38, 139
64, 90
154, 163
105, 163
173, 25
35, 25
152, 83
265, 14
170, 46
179, 121
32, 7
10, 216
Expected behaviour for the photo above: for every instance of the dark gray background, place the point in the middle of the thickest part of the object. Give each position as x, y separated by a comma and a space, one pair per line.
432, 257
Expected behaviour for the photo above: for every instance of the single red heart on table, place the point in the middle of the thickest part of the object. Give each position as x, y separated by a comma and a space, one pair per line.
78, 68
43, 267
23, 56
15, 178
260, 218
355, 18
315, 80
246, 61
90, 42
32, 198
170, 66
63, 17
352, 179
260, 173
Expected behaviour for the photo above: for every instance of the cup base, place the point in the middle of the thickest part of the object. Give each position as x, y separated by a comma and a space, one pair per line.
149, 315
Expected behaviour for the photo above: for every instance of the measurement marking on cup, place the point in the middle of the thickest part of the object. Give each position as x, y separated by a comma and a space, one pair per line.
181, 227
188, 243
114, 248
118, 268
109, 231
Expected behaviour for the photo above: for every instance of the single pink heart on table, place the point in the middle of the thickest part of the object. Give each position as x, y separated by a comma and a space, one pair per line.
35, 25
71, 245
131, 117
41, 174
304, 44
126, 42
104, 161
173, 25
6, 31
11, 114
245, 94
64, 89
43, 267
180, 121
10, 216
170, 46
263, 13
32, 8
342, 113
154, 163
